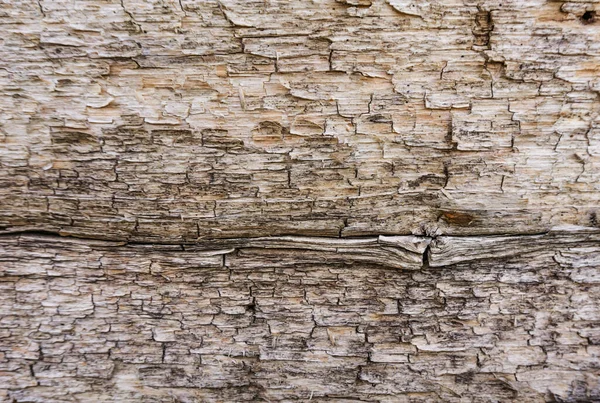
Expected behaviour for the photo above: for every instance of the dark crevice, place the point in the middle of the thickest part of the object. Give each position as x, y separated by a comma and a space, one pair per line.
222, 241
425, 265
588, 17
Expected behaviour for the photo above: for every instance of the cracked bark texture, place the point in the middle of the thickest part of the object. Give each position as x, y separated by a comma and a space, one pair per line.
327, 200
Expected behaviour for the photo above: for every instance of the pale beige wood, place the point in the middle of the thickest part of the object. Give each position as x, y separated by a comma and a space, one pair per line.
168, 120
313, 200
267, 320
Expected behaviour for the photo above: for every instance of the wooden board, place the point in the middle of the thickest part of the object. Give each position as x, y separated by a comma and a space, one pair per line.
285, 200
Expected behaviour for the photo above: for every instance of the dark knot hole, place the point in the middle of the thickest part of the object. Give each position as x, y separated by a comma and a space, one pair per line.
588, 17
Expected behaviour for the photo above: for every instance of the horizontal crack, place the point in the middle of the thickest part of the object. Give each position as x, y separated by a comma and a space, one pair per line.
411, 252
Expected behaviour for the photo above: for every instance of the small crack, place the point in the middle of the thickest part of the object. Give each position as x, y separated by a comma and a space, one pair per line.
425, 265
41, 8
132, 18
182, 9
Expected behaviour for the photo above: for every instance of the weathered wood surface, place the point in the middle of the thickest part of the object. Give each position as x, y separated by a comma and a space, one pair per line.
326, 200
102, 321
153, 120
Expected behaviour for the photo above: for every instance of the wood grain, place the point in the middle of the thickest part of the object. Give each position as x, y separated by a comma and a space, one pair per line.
166, 120
268, 321
285, 200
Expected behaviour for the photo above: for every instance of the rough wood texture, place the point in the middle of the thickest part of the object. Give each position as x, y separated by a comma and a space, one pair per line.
166, 120
327, 200
100, 321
